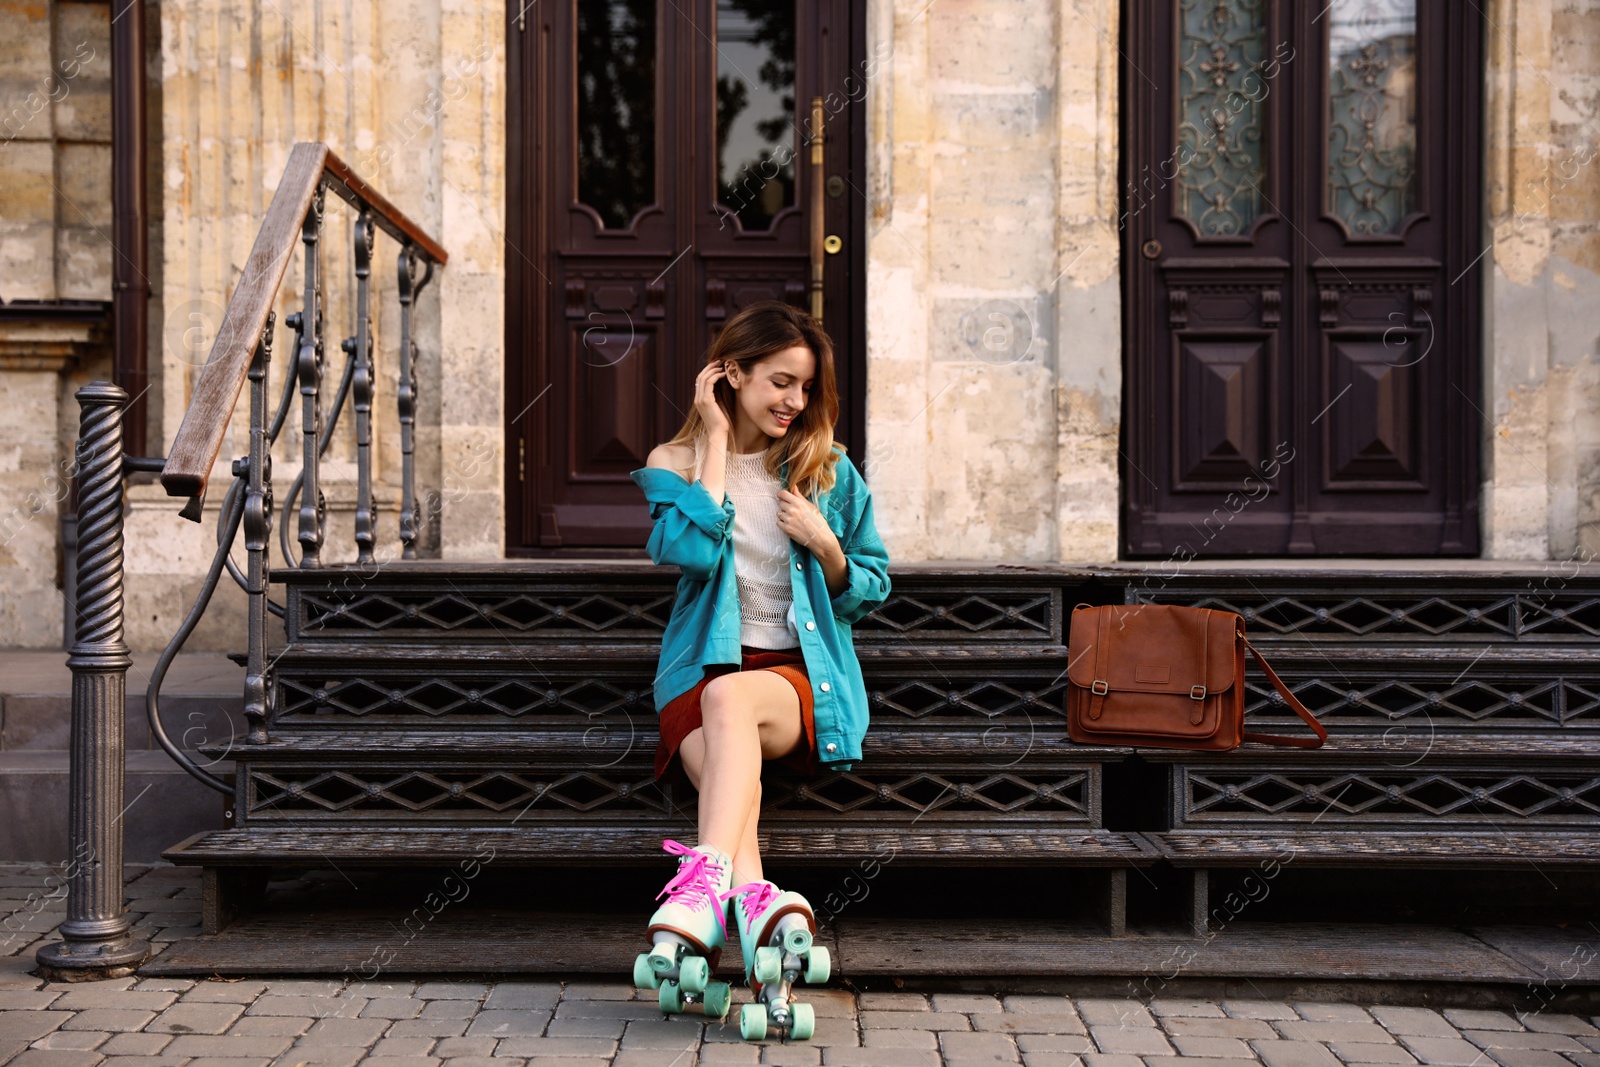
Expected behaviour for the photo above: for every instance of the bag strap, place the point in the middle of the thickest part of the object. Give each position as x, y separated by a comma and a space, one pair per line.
1102, 656
1293, 701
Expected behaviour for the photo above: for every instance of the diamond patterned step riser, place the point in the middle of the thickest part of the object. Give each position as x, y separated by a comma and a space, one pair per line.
1055, 792
412, 697
1421, 701
1525, 610
977, 607
1399, 793
978, 611
1415, 698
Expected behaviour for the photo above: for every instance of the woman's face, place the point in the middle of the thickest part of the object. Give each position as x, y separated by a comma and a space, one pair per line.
776, 390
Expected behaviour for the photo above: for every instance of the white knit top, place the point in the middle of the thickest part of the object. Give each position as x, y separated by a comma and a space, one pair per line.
760, 552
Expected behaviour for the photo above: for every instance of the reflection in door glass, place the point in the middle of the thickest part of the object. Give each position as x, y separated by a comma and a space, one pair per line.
1372, 111
755, 109
616, 107
1222, 83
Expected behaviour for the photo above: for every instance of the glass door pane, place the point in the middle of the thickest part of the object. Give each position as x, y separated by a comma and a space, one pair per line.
1372, 115
755, 128
1222, 88
616, 135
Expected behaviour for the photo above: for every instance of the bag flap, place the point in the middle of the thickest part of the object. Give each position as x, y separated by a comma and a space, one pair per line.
1152, 648
1153, 715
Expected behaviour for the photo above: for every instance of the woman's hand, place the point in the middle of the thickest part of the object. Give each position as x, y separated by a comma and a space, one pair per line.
803, 522
800, 519
705, 402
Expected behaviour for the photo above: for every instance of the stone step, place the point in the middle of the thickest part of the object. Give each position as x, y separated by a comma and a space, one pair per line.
201, 701
162, 804
201, 704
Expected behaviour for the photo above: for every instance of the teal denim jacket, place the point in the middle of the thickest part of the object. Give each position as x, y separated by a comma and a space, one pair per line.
694, 533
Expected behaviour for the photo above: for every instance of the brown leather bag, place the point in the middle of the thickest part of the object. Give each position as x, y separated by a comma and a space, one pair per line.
1162, 676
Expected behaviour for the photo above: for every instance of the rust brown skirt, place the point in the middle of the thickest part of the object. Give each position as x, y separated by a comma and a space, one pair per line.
681, 717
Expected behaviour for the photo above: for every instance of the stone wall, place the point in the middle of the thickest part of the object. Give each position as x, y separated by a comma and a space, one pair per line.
410, 93
55, 210
993, 312
1542, 424
55, 167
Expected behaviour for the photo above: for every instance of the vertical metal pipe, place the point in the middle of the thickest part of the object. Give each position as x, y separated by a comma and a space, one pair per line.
361, 389
97, 940
308, 365
819, 220
407, 397
130, 284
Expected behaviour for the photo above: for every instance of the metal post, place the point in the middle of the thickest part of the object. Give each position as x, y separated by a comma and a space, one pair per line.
366, 534
258, 543
407, 397
97, 940
308, 365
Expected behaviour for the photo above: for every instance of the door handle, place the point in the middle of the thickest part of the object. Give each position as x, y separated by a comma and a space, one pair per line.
818, 223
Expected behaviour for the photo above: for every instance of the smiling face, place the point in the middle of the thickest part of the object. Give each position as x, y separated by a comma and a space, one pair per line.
771, 396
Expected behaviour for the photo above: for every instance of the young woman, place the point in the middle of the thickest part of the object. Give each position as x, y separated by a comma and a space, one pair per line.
772, 527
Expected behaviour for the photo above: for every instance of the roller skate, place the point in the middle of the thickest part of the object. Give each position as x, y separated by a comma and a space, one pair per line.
687, 934
776, 931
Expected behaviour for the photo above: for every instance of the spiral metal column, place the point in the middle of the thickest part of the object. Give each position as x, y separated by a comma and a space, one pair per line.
97, 940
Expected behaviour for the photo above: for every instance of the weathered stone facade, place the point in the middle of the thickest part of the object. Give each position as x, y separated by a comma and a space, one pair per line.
1542, 341
994, 310
413, 102
55, 207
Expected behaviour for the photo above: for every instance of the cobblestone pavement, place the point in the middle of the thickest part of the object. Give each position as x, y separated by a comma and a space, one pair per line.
334, 1023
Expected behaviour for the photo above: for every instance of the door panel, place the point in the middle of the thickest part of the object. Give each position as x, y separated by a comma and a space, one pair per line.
1221, 393
1301, 196
664, 157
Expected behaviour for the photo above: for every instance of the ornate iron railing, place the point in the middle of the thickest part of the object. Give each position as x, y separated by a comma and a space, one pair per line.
97, 935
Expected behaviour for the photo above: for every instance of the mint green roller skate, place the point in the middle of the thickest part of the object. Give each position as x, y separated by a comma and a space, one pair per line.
687, 934
776, 931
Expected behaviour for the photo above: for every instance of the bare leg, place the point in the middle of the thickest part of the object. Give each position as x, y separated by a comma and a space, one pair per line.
747, 860
747, 716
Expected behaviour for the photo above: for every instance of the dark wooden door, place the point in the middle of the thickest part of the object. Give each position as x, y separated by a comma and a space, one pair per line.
1300, 225
661, 177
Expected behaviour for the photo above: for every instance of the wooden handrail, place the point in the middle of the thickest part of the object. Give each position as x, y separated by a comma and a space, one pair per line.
352, 188
216, 394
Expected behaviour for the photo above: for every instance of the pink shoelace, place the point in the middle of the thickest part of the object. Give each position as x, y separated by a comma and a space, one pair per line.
694, 884
760, 895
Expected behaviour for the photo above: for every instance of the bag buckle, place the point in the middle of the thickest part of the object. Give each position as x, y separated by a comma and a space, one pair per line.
1100, 688
1197, 692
